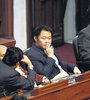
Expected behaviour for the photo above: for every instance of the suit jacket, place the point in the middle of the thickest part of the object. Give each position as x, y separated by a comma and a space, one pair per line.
46, 65
11, 81
84, 44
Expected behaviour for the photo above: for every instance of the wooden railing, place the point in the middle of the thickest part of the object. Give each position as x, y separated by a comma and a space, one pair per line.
64, 90
7, 42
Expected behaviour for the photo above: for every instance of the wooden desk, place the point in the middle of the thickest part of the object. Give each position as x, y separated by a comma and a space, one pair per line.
7, 42
77, 91
49, 87
63, 91
82, 77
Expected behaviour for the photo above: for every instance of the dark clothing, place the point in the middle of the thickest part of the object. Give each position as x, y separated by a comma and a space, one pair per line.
83, 43
46, 65
10, 80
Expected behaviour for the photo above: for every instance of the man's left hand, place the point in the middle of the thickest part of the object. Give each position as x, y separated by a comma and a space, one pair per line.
76, 70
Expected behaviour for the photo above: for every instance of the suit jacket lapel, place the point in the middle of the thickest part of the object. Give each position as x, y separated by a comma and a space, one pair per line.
40, 52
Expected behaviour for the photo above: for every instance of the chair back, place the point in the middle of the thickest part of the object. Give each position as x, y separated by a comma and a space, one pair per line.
75, 47
26, 51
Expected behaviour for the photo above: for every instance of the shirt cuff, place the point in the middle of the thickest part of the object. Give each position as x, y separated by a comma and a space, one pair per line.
44, 78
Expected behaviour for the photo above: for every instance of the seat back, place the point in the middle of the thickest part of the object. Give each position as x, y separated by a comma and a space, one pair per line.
75, 47
26, 51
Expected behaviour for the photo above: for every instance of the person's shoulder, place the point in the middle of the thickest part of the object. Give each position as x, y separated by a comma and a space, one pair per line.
34, 51
85, 30
3, 65
88, 29
36, 54
6, 71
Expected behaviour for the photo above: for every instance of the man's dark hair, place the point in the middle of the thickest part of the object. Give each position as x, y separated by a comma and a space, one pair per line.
38, 29
17, 97
12, 56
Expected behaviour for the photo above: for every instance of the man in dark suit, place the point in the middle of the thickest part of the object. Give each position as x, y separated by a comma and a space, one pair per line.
10, 80
44, 57
83, 42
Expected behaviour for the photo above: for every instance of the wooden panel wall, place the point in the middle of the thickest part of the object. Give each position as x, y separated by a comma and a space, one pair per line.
48, 12
6, 22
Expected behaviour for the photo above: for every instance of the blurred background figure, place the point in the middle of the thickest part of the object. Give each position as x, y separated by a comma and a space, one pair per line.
17, 97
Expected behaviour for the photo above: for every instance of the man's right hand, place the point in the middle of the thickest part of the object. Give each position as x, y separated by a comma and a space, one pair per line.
46, 81
49, 51
27, 61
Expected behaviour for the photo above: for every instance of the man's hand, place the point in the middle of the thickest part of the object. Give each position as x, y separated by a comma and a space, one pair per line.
46, 81
49, 50
76, 70
27, 61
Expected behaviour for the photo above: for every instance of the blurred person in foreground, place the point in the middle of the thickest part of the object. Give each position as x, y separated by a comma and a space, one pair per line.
18, 97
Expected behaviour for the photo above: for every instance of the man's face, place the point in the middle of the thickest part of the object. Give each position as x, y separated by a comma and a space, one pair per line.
44, 39
2, 51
